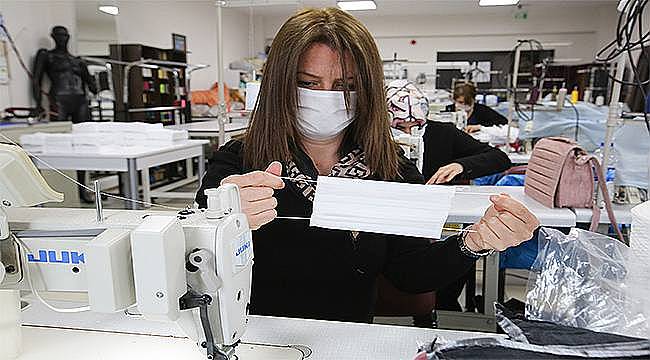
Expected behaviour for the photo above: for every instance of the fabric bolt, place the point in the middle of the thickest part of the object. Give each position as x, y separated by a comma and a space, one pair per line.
371, 206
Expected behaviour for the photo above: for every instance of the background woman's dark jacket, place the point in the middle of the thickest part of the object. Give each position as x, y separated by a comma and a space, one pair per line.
445, 144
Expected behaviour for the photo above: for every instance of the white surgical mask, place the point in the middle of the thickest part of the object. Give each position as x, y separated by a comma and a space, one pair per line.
463, 107
322, 115
381, 207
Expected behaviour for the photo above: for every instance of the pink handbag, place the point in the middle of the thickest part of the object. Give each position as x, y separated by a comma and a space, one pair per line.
560, 174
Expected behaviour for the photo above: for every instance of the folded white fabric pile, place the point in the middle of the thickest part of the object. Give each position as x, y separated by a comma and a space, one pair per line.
33, 142
496, 134
57, 143
132, 133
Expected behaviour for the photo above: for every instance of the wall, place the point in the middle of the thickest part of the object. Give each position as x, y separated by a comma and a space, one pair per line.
153, 22
93, 38
29, 23
584, 27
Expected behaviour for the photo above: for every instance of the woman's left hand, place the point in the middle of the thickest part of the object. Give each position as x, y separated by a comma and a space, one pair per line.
446, 173
472, 128
506, 223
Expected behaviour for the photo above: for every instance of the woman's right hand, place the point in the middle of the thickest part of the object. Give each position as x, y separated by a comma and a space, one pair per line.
256, 191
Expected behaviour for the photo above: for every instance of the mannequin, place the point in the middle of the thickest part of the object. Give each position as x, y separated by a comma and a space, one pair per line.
69, 78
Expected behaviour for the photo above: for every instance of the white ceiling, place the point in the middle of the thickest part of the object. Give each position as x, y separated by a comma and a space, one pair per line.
408, 7
87, 9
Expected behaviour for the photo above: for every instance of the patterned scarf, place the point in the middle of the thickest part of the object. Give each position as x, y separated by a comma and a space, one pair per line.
351, 165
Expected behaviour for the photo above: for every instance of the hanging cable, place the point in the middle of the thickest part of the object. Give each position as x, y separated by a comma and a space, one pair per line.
630, 37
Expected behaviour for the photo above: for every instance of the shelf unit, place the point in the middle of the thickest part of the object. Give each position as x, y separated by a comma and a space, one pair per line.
155, 95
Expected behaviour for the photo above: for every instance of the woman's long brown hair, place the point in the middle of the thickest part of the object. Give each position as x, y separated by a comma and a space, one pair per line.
273, 133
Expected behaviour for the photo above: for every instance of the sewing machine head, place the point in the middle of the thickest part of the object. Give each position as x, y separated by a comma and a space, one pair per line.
193, 267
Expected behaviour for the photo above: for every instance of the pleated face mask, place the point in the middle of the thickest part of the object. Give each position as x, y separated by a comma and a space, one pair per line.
381, 207
323, 115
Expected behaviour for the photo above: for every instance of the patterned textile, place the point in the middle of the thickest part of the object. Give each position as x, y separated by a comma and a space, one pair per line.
407, 105
351, 165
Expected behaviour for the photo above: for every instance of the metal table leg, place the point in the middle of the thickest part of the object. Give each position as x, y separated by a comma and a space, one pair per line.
490, 283
201, 168
133, 183
146, 186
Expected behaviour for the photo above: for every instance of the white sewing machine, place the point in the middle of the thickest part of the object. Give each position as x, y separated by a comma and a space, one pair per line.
193, 268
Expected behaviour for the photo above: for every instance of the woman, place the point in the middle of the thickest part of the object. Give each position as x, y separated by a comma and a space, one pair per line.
477, 114
450, 154
321, 111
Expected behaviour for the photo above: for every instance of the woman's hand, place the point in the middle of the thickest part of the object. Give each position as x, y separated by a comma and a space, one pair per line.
256, 191
505, 224
446, 173
472, 128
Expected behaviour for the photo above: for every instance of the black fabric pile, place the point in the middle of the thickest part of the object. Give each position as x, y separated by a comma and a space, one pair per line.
540, 340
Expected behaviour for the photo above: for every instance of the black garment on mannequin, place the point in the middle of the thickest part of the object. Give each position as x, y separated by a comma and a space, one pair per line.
73, 107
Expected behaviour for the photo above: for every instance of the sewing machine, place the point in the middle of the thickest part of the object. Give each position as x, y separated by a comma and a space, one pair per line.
193, 267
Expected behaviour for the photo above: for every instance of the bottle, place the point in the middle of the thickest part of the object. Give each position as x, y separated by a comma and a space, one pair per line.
554, 92
586, 97
561, 95
610, 174
574, 95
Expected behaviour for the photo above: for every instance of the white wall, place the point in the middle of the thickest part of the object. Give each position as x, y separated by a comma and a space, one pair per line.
585, 27
29, 23
153, 22
94, 38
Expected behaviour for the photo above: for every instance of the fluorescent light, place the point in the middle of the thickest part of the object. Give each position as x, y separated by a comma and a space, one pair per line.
356, 5
497, 2
109, 9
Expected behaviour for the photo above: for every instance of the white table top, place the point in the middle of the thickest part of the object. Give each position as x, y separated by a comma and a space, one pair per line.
470, 208
126, 338
210, 126
128, 152
622, 213
518, 158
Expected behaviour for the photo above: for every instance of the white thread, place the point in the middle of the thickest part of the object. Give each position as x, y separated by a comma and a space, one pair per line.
457, 192
87, 188
32, 288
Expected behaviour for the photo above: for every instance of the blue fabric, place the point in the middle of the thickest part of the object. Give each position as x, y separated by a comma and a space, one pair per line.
519, 257
524, 255
511, 180
488, 179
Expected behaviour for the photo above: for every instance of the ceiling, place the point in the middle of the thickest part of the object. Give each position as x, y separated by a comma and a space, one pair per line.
408, 7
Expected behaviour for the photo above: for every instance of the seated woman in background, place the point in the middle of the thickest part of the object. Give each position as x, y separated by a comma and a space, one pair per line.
477, 114
450, 154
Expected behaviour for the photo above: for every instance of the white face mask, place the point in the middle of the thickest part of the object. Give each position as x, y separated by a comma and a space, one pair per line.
463, 107
376, 206
322, 115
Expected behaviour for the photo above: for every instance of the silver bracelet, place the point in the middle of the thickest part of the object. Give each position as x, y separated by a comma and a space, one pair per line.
465, 250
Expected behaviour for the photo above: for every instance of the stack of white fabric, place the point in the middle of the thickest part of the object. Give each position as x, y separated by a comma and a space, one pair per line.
33, 142
130, 134
58, 143
496, 134
99, 137
47, 143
